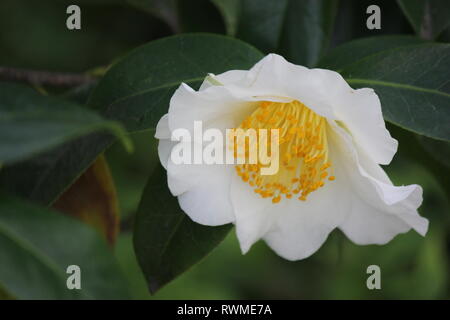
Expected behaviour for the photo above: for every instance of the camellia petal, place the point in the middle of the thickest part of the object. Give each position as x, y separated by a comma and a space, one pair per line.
293, 229
165, 147
162, 128
232, 76
212, 195
253, 217
202, 189
215, 106
165, 144
328, 94
360, 111
332, 141
300, 228
380, 210
274, 76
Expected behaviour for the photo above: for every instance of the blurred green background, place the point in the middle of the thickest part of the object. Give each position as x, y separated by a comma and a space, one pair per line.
33, 35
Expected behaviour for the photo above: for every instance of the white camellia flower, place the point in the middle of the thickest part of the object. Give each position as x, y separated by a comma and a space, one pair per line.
333, 140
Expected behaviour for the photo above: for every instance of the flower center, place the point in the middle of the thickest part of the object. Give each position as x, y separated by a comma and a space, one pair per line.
303, 151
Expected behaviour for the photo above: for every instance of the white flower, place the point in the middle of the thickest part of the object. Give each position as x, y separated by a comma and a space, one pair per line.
333, 142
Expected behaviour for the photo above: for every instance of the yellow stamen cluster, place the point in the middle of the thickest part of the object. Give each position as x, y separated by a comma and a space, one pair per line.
303, 151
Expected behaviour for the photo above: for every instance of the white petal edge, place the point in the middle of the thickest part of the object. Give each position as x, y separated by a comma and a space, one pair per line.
253, 215
360, 111
380, 210
220, 107
273, 76
208, 202
162, 128
165, 147
292, 228
215, 106
225, 78
329, 95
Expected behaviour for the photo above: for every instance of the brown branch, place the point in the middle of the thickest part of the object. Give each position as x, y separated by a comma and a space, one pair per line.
54, 79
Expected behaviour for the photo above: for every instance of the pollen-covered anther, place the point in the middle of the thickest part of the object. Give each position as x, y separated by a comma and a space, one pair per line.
303, 151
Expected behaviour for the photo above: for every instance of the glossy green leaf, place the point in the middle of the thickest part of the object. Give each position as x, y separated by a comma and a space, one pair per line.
299, 30
37, 246
165, 10
42, 179
31, 123
135, 91
411, 81
262, 25
353, 51
166, 241
138, 88
45, 177
230, 11
428, 17
307, 29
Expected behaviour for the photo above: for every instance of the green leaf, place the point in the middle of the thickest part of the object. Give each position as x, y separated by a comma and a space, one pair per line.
307, 30
230, 10
185, 16
165, 10
37, 246
428, 17
135, 91
299, 30
200, 16
419, 149
438, 149
42, 179
92, 198
79, 94
411, 81
31, 123
138, 88
167, 242
262, 25
353, 51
